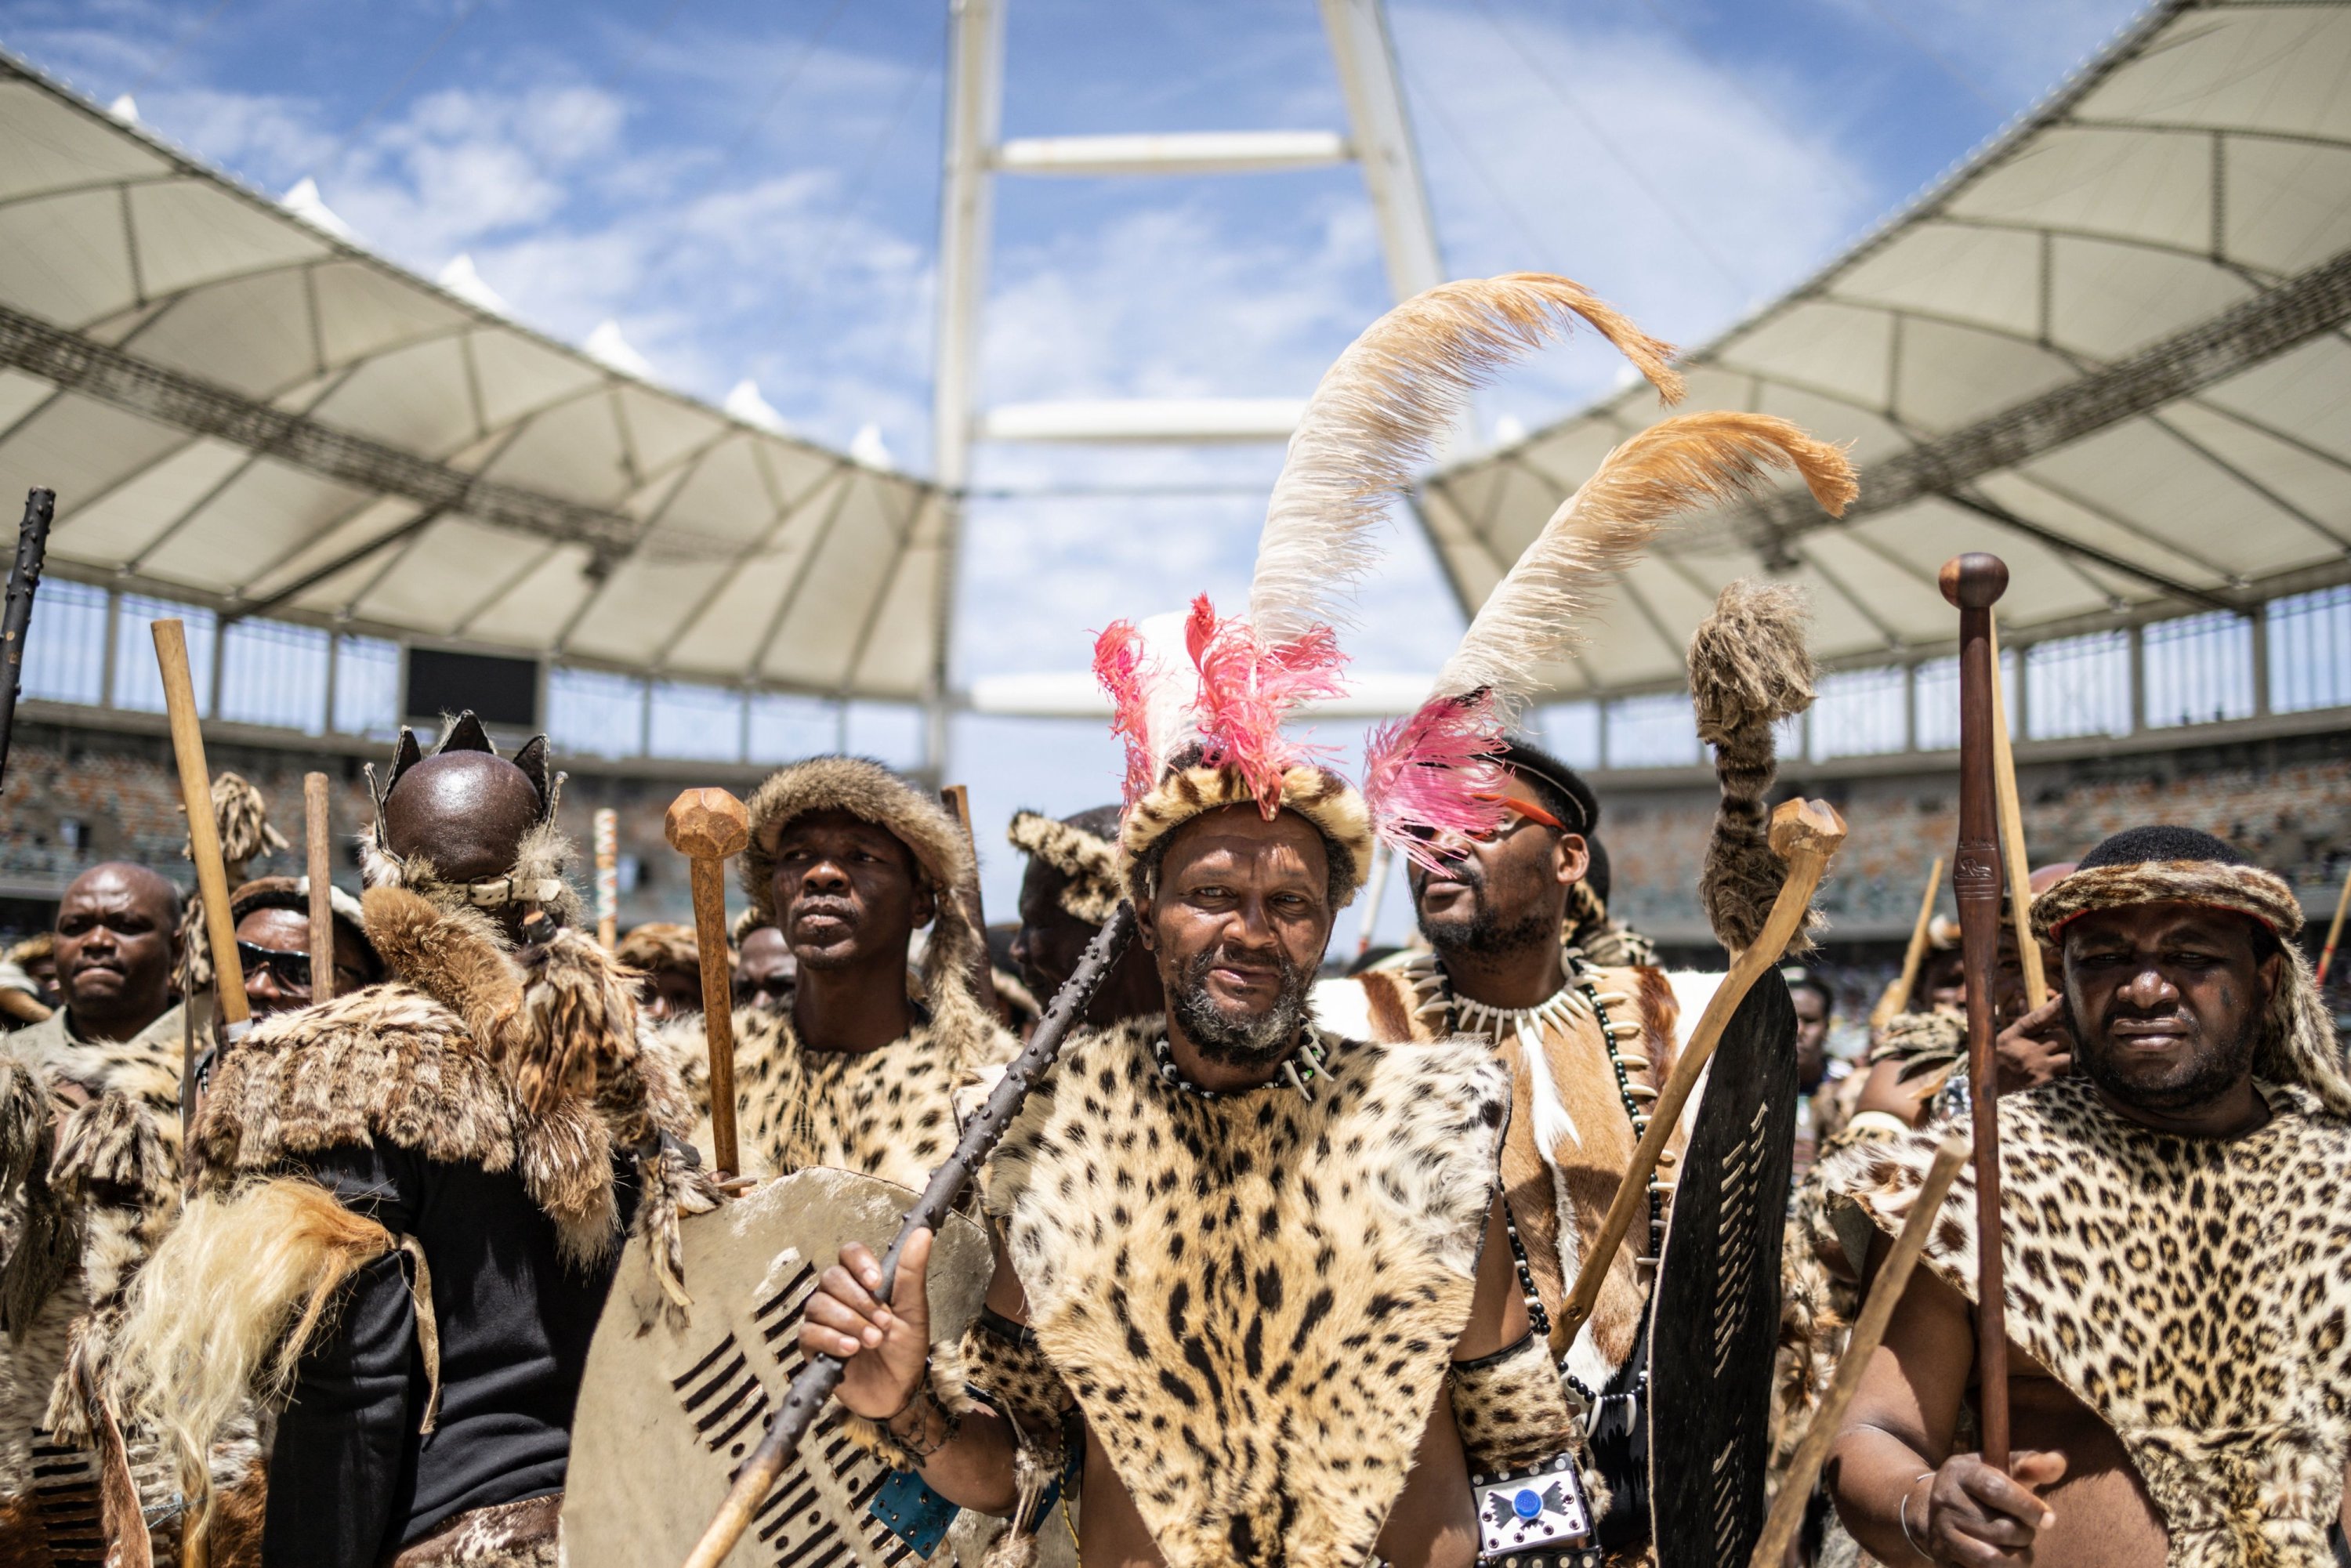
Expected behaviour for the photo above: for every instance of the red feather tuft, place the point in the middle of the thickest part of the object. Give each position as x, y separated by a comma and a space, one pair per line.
1249, 686
1119, 654
1435, 773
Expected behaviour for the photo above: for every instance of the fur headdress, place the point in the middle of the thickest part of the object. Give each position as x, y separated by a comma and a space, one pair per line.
943, 857
241, 817
2179, 865
537, 876
1210, 736
1436, 769
1087, 861
660, 945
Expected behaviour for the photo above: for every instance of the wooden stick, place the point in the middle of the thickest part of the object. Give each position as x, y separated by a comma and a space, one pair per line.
707, 826
318, 836
1804, 833
2334, 930
608, 877
1885, 1295
1897, 991
956, 798
1974, 582
17, 618
2012, 833
805, 1399
204, 831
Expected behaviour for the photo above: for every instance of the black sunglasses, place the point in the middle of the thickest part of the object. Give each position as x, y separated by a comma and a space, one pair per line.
292, 969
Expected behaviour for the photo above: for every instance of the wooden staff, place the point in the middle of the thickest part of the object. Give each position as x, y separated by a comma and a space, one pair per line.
2334, 930
2012, 833
203, 830
1885, 1295
1805, 834
1974, 582
707, 826
805, 1400
608, 877
1896, 998
24, 579
318, 845
956, 798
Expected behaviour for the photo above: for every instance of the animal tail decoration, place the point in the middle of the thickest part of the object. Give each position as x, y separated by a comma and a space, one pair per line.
1749, 669
1430, 770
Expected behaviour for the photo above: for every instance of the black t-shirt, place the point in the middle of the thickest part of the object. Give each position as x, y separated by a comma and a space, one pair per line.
351, 1480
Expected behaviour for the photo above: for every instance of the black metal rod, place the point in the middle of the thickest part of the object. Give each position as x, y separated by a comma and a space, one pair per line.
24, 577
814, 1387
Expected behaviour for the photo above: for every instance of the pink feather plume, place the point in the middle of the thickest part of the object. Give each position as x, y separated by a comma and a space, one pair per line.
1119, 656
1433, 770
1247, 686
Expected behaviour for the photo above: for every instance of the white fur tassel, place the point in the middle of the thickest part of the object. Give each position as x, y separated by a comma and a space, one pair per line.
1377, 414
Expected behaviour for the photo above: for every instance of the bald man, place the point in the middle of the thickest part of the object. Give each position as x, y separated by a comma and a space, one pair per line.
96, 1086
487, 1185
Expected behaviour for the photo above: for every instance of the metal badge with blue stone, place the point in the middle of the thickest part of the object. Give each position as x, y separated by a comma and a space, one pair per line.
1535, 1518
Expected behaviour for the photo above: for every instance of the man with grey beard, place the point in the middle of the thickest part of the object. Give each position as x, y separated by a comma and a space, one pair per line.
1294, 1233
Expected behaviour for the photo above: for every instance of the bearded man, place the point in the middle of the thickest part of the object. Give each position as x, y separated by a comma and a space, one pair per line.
1587, 1050
1068, 890
847, 860
429, 1180
1299, 1248
2176, 1247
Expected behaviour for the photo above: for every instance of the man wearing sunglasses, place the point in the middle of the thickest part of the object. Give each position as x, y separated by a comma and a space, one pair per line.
273, 940
1588, 1048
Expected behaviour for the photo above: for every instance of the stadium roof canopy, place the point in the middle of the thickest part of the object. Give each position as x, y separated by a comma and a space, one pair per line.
238, 407
2110, 349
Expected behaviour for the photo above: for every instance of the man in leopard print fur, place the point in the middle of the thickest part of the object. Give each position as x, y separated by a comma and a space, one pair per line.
1240, 1257
847, 860
1496, 973
2176, 1254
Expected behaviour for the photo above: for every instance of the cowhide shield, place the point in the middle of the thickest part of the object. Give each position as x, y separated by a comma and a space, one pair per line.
667, 1414
1715, 1315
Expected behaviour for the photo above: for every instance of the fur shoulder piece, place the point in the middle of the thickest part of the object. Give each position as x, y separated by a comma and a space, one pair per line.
1212, 1279
888, 1113
2191, 1291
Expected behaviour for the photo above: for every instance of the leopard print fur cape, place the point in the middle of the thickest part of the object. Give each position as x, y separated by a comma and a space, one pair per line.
1558, 1197
2195, 1293
887, 1112
1253, 1299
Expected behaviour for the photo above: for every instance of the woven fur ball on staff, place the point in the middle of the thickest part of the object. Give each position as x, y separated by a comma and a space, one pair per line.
707, 824
1749, 669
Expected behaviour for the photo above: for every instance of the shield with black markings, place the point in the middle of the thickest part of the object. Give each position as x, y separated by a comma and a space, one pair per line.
1715, 1314
668, 1412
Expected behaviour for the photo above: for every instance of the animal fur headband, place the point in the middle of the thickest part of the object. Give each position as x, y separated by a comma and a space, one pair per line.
537, 876
1087, 862
943, 859
2297, 1044
1201, 700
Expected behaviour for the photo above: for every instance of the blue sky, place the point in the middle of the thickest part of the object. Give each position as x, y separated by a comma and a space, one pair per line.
750, 191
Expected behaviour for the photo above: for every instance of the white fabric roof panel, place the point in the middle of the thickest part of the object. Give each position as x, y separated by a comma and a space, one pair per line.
621, 523
2111, 348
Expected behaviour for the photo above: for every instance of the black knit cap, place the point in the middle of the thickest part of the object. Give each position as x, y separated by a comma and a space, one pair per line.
2138, 846
1566, 788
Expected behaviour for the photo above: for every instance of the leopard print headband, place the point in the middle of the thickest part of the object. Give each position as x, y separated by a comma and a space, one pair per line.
2244, 890
1088, 864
